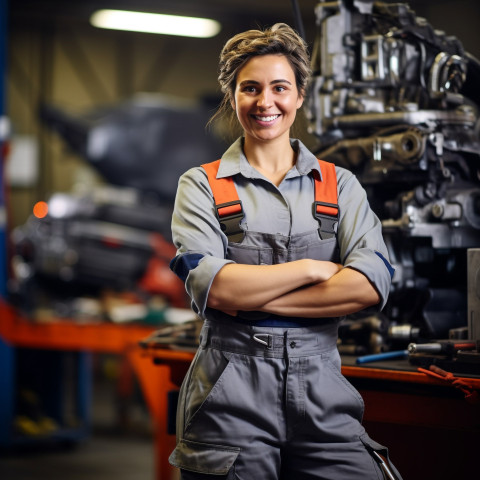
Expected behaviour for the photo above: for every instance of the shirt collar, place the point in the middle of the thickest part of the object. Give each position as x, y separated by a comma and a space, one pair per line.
234, 161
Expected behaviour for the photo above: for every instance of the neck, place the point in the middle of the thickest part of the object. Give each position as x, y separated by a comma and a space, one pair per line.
271, 159
270, 155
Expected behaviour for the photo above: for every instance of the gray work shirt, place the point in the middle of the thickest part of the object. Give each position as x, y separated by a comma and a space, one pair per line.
284, 210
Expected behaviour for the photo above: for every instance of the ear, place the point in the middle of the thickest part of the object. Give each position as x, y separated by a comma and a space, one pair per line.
300, 101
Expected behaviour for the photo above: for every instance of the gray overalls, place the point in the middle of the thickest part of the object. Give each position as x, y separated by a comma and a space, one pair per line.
269, 402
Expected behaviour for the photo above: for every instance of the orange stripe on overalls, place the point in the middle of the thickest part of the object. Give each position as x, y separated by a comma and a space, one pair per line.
228, 207
229, 211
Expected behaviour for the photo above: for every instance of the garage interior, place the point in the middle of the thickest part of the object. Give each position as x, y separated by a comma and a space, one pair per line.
66, 84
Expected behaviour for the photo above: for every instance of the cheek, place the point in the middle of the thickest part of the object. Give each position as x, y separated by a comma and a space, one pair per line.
292, 106
241, 108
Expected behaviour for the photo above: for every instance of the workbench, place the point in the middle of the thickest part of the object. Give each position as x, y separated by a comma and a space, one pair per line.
431, 430
83, 339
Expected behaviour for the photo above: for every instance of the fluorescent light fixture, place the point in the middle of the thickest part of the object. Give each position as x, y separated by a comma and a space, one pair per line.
155, 23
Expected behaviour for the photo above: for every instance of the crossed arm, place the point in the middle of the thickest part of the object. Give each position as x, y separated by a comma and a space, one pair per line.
304, 288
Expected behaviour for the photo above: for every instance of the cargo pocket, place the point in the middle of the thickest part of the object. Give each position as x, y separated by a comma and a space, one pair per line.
249, 254
379, 453
206, 459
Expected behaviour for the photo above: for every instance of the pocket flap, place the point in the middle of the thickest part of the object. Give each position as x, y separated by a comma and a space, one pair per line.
372, 444
385, 464
204, 457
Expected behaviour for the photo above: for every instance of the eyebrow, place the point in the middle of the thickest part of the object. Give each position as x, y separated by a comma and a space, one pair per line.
273, 82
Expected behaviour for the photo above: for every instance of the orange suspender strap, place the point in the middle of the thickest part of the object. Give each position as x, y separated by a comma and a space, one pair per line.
325, 207
229, 211
228, 207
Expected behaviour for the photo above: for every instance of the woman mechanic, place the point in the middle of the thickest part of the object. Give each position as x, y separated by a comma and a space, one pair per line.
264, 398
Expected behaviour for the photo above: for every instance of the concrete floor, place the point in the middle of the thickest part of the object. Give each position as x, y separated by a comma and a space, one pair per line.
102, 456
120, 446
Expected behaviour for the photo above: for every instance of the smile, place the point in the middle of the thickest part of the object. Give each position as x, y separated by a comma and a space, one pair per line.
270, 118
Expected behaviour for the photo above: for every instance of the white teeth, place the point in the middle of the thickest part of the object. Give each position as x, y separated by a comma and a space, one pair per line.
266, 119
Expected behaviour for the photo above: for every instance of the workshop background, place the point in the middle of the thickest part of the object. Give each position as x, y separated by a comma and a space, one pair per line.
100, 125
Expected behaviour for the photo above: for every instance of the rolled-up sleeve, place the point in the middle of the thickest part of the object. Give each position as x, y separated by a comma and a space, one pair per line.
360, 236
200, 243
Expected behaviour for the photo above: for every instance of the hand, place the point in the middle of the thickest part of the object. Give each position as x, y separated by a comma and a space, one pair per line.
323, 270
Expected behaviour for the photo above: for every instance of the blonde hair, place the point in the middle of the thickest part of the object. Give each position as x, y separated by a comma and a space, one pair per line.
280, 39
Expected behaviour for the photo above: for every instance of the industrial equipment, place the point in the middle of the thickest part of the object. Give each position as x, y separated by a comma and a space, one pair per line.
115, 236
396, 102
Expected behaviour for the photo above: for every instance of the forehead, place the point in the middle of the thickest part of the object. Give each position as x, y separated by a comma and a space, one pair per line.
267, 68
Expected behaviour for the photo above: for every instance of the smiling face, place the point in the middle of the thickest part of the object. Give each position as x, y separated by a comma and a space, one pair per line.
266, 98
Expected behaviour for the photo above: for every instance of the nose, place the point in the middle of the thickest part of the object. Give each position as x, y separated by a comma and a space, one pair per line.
264, 100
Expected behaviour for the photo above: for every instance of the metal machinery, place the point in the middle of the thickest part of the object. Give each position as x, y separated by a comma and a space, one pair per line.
115, 236
396, 102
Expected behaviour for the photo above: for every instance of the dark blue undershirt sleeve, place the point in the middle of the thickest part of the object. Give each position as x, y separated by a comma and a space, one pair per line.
182, 264
390, 269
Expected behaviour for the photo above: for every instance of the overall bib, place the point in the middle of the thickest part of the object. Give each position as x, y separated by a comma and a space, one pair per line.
263, 402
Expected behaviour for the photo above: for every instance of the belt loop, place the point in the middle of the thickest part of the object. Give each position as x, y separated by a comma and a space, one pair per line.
264, 338
204, 336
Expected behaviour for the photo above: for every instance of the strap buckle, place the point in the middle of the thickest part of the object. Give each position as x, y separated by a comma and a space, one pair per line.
327, 216
230, 219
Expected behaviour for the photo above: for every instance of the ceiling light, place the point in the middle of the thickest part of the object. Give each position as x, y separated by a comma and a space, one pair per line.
155, 23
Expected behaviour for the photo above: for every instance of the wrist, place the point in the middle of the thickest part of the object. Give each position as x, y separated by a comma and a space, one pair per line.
313, 271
